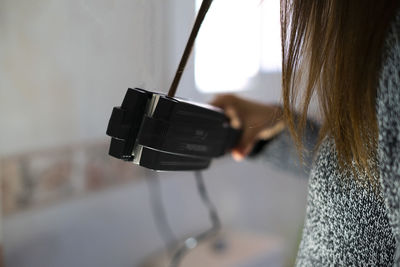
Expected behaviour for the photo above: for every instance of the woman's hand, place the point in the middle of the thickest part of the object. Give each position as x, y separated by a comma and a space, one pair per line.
258, 121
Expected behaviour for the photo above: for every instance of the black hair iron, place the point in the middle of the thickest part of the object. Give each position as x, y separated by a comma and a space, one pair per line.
169, 134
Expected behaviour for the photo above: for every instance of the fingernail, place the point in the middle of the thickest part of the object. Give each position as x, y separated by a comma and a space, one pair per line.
237, 156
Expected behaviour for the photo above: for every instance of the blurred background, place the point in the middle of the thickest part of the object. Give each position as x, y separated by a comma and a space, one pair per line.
64, 65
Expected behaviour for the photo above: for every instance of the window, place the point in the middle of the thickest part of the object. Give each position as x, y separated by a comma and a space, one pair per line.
239, 39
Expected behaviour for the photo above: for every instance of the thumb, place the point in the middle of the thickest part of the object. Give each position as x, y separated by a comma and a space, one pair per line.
239, 153
246, 143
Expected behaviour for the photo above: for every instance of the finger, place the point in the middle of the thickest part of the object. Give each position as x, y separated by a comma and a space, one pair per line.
245, 149
233, 117
236, 155
272, 131
240, 153
246, 143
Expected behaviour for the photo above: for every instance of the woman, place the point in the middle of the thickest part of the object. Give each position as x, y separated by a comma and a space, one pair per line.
347, 54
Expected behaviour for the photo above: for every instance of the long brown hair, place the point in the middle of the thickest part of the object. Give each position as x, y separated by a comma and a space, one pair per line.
333, 50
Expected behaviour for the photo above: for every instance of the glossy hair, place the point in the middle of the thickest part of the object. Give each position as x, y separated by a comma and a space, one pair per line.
333, 49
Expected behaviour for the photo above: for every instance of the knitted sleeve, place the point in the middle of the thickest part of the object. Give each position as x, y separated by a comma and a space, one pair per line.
388, 115
281, 151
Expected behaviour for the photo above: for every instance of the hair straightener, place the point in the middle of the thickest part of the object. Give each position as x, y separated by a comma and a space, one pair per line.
167, 133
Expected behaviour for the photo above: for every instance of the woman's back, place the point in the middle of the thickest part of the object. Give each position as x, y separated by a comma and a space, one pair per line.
347, 223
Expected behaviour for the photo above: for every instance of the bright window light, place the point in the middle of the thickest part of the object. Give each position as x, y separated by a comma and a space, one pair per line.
271, 52
232, 47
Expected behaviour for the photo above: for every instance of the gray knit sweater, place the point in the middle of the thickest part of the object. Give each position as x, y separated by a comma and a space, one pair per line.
346, 223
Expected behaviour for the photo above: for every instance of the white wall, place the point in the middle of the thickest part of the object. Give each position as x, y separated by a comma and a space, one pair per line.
64, 64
